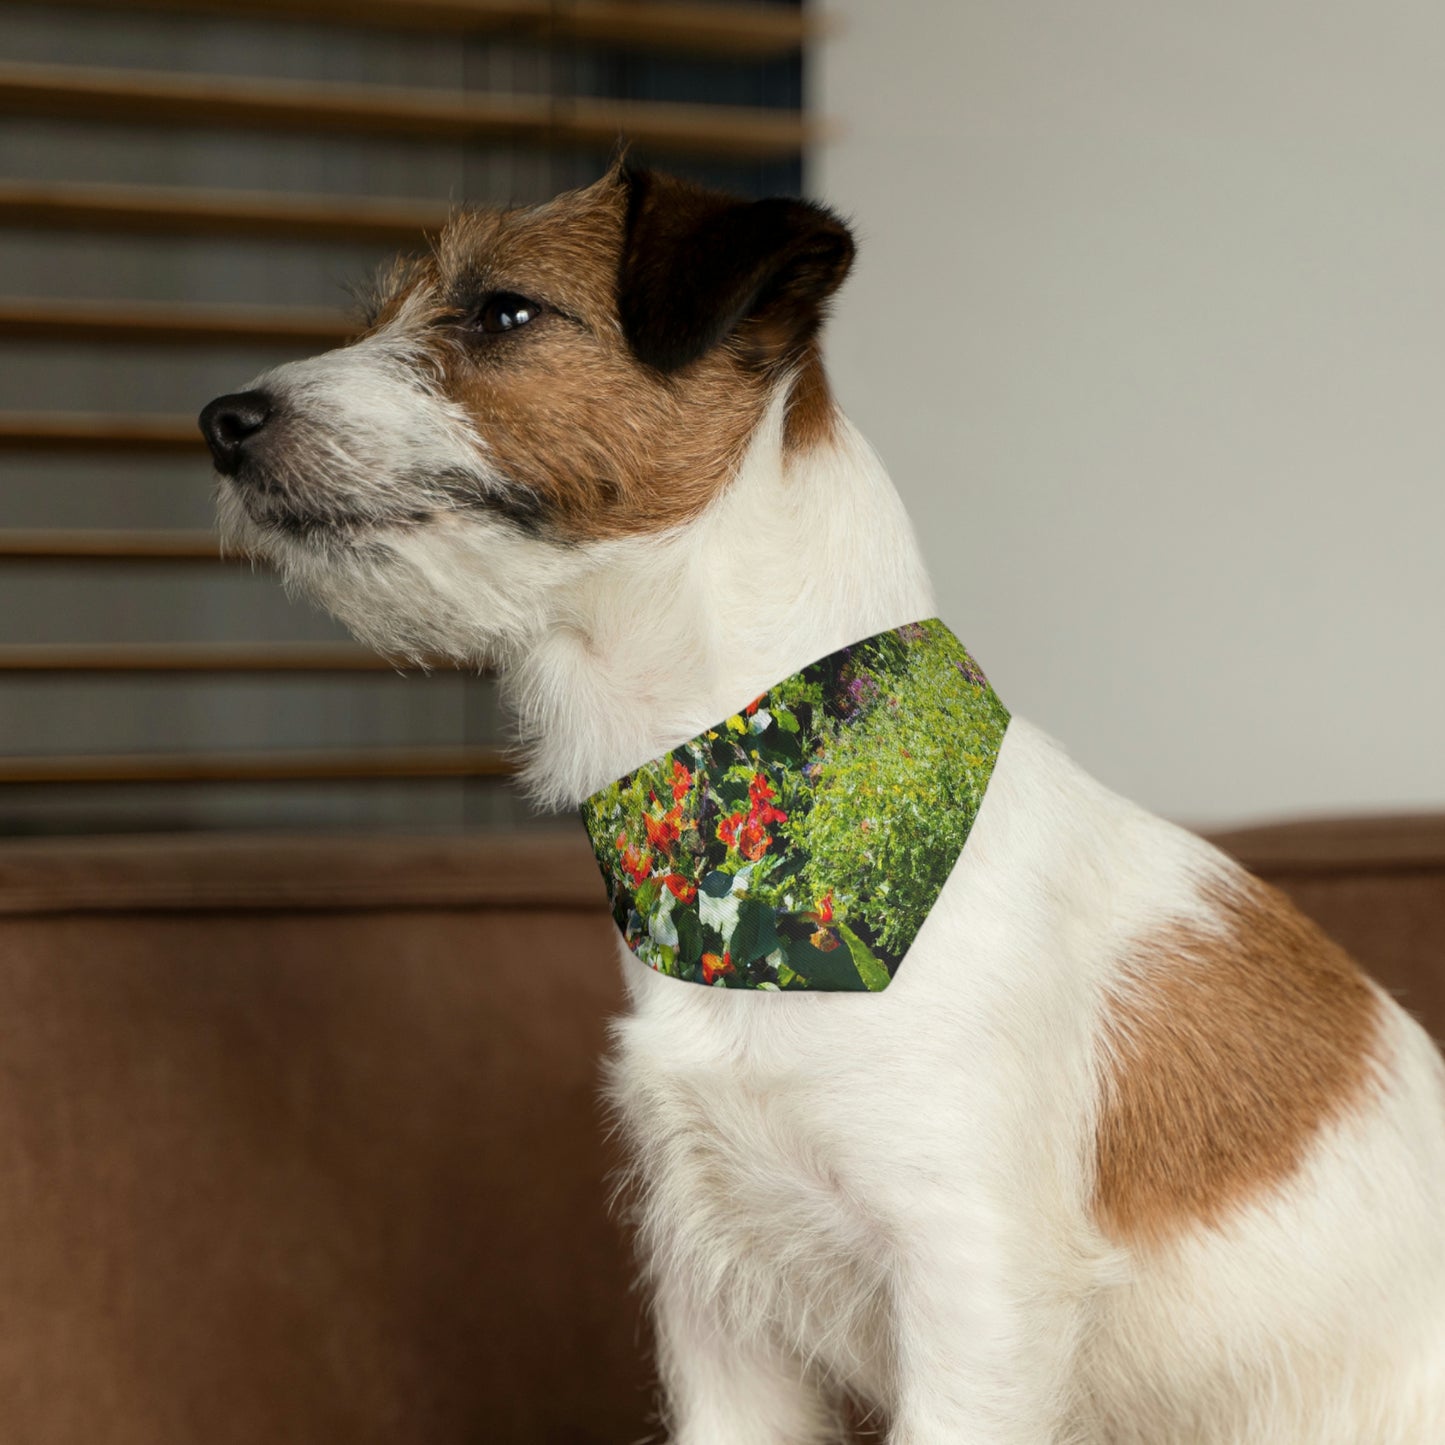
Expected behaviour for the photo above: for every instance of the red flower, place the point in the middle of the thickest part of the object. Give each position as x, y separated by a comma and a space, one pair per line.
727, 830
762, 812
680, 887
621, 841
637, 866
824, 913
713, 966
752, 707
663, 832
681, 781
754, 840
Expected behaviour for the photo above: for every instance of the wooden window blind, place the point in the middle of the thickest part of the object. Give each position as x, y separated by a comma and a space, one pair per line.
187, 189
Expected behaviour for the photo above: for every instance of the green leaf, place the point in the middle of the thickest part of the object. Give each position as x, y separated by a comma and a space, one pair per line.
717, 884
786, 721
870, 970
647, 895
786, 866
755, 934
784, 751
689, 935
832, 970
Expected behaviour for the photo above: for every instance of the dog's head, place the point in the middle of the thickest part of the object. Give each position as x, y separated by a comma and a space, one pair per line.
547, 382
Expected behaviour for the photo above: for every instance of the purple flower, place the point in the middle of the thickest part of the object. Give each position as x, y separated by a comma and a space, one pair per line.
862, 690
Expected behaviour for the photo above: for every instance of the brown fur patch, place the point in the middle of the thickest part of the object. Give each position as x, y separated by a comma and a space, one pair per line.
602, 444
1228, 1052
700, 266
812, 413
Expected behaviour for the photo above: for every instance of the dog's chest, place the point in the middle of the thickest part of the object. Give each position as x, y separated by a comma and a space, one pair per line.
747, 1159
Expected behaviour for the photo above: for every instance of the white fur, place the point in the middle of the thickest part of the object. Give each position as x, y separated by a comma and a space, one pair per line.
890, 1194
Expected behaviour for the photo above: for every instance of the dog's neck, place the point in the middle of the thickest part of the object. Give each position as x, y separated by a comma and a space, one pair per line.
804, 553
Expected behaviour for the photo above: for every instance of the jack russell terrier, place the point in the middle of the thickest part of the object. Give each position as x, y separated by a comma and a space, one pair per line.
955, 1085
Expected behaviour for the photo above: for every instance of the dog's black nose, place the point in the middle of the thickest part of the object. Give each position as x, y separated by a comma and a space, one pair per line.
229, 422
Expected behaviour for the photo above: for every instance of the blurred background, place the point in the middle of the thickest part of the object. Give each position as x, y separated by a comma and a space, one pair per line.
190, 194
302, 1005
1148, 324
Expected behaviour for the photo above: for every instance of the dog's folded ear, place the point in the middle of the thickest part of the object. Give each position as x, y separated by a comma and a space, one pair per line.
699, 267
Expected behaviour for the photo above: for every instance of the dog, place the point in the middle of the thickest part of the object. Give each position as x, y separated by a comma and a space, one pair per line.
1127, 1152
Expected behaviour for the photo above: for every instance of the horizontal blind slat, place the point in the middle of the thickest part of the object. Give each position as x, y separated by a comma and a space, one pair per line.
204, 657
312, 107
73, 545
196, 212
338, 765
98, 431
171, 323
721, 29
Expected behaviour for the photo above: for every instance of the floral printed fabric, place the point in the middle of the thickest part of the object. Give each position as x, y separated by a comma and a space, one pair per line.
800, 843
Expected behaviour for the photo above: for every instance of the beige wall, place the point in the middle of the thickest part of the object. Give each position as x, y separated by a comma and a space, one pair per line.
1149, 324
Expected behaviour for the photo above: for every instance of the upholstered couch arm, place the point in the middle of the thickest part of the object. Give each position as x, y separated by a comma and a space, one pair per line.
300, 1141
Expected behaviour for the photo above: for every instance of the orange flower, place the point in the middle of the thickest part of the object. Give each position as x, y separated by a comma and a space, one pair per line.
663, 832
637, 866
824, 913
752, 707
681, 781
727, 830
754, 840
761, 794
680, 887
714, 967
824, 940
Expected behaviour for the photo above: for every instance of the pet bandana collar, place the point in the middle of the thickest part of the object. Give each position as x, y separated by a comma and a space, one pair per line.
800, 843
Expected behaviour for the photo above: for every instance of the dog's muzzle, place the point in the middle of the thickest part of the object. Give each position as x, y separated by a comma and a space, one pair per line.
231, 424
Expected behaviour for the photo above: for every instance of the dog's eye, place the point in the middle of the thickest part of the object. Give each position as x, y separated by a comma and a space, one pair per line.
505, 311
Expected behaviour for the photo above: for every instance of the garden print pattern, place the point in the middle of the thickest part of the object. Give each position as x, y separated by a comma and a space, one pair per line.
800, 843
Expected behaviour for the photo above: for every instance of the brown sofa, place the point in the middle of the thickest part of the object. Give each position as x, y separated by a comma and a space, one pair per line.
299, 1140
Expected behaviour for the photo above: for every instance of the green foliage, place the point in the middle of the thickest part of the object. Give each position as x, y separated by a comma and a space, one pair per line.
876, 819
802, 841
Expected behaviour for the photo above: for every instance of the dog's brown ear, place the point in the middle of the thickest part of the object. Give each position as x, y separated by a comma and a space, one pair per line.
699, 267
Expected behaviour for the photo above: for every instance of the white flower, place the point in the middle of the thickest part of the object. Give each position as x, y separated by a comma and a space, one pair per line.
660, 925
